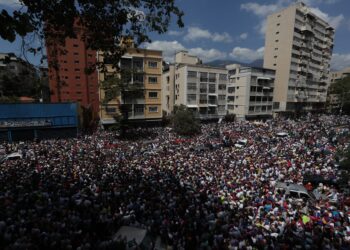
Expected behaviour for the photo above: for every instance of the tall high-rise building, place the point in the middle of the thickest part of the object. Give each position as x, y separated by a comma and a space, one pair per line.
298, 45
68, 81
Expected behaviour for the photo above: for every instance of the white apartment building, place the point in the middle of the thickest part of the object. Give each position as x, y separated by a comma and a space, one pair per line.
250, 92
298, 45
199, 87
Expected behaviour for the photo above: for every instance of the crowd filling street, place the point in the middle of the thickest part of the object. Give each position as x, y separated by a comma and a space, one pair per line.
216, 190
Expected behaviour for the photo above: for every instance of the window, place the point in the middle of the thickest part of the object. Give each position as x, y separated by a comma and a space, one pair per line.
232, 71
191, 98
222, 86
153, 94
231, 90
138, 78
137, 63
212, 77
153, 109
274, 64
276, 41
192, 86
278, 24
252, 99
152, 79
279, 16
230, 98
110, 110
76, 61
212, 88
77, 70
77, 77
222, 77
89, 55
276, 105
153, 64
253, 88
78, 92
75, 45
191, 74
251, 108
139, 109
277, 32
203, 76
276, 48
65, 69
222, 97
76, 53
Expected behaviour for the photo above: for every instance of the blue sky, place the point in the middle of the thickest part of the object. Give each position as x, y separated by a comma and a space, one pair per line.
233, 29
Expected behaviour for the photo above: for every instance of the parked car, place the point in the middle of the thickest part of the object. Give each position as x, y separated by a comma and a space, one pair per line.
10, 157
299, 191
138, 238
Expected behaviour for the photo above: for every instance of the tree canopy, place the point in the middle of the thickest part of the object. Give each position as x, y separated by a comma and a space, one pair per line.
342, 88
106, 22
184, 121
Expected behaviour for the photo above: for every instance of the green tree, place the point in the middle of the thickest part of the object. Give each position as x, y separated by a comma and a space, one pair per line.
118, 86
184, 121
342, 89
106, 22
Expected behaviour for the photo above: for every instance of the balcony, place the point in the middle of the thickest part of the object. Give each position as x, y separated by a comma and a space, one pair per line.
212, 102
306, 28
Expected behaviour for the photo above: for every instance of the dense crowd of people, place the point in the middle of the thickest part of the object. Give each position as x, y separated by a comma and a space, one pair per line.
195, 193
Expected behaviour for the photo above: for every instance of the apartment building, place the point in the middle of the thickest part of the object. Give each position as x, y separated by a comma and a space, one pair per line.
199, 87
145, 76
298, 45
68, 81
250, 92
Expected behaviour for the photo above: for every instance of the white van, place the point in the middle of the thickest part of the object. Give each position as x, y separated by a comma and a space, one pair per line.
11, 157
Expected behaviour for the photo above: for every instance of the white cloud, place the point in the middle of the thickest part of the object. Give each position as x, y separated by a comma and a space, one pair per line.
340, 61
207, 54
195, 33
263, 10
315, 2
175, 33
243, 36
169, 49
10, 3
247, 55
334, 21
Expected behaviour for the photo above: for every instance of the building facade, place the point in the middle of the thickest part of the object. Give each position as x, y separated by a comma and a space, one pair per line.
298, 45
18, 78
69, 81
250, 92
145, 67
334, 101
199, 87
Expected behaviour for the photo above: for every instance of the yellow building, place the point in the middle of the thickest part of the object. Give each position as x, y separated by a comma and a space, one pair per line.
145, 67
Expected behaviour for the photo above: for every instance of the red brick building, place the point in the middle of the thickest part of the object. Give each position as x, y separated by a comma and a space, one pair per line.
69, 82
